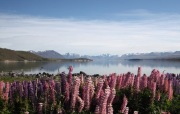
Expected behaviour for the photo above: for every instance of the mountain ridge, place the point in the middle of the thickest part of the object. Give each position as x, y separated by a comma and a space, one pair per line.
12, 55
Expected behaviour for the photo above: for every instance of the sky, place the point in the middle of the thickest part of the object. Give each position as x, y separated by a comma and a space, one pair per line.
90, 27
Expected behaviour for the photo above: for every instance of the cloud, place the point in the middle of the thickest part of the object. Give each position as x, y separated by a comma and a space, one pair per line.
158, 32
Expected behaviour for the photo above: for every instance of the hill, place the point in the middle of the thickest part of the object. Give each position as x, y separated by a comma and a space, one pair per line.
11, 55
48, 54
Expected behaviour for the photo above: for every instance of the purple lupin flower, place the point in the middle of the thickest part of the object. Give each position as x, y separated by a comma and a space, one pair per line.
63, 83
52, 92
31, 92
25, 88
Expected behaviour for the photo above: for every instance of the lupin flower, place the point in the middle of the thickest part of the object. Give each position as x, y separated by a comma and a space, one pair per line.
75, 92
143, 82
153, 89
170, 90
109, 109
99, 88
112, 82
136, 85
67, 92
166, 84
119, 82
103, 101
124, 104
6, 94
81, 106
87, 93
126, 111
139, 72
52, 92
70, 75
1, 88
63, 83
110, 101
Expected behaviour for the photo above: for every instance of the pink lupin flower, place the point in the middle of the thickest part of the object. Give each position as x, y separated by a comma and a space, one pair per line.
1, 88
67, 91
119, 82
97, 110
170, 90
112, 82
103, 101
81, 106
143, 82
99, 88
124, 104
161, 82
126, 111
6, 94
92, 92
139, 72
132, 80
109, 109
75, 92
110, 101
70, 75
153, 89
111, 96
166, 84
136, 85
87, 93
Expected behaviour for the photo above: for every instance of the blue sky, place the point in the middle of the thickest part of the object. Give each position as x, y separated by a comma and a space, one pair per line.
90, 26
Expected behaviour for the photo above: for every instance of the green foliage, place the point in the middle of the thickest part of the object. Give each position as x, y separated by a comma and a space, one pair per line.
11, 55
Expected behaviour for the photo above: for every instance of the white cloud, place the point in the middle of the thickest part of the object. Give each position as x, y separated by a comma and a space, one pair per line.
161, 32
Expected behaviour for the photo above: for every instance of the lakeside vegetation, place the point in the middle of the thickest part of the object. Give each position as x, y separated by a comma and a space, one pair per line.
81, 94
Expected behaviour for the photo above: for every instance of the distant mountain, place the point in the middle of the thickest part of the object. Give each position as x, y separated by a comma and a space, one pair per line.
153, 55
11, 55
96, 57
48, 54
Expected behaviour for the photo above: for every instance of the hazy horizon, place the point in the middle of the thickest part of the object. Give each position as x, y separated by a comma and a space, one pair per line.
90, 27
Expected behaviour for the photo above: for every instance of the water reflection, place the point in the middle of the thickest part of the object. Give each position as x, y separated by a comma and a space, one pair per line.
95, 67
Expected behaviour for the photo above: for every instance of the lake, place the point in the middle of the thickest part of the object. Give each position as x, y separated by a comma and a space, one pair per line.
93, 67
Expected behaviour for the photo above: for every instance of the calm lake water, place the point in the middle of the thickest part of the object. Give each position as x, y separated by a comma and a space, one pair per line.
94, 67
